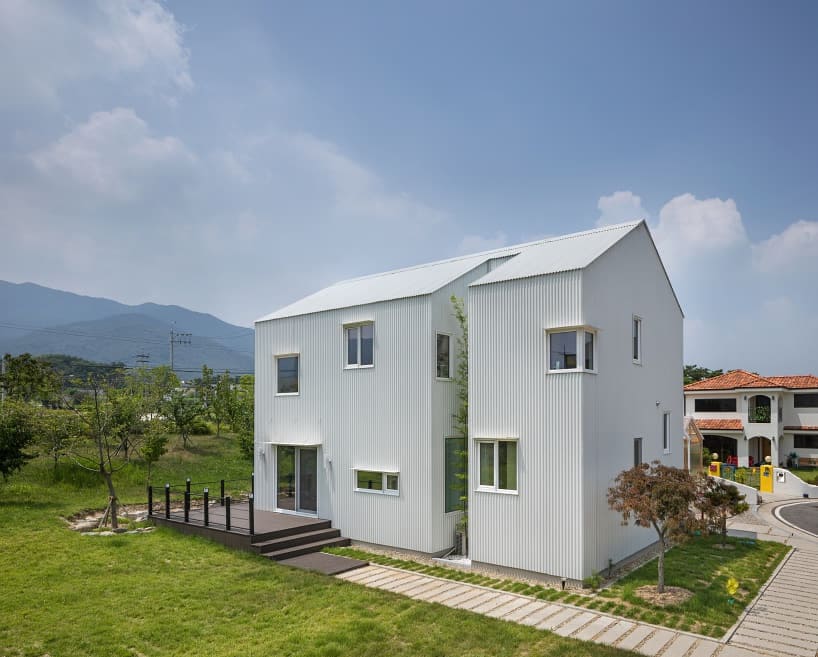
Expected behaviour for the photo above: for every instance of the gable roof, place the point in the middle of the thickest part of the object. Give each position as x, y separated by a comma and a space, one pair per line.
546, 256
738, 379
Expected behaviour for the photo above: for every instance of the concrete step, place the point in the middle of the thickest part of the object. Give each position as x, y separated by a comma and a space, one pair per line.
307, 548
261, 537
294, 540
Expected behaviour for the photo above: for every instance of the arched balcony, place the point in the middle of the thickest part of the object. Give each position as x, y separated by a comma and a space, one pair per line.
759, 409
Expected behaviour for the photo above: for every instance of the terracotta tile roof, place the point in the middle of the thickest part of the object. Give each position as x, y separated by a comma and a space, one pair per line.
736, 379
720, 425
796, 382
803, 428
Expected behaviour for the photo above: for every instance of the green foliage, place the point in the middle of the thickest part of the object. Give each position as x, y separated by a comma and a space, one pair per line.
183, 411
693, 373
242, 418
223, 401
28, 379
461, 416
719, 501
593, 581
154, 445
73, 367
18, 429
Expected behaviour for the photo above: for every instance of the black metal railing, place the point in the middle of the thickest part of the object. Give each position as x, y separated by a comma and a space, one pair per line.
192, 503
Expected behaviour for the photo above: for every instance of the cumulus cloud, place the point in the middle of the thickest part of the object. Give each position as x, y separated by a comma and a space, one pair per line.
477, 243
46, 46
794, 249
702, 224
619, 207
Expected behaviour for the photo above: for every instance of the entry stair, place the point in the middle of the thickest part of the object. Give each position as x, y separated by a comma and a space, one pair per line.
290, 542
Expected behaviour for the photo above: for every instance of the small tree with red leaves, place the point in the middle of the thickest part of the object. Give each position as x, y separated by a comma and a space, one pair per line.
657, 496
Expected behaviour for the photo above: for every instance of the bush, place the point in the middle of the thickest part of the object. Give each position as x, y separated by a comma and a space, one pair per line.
201, 428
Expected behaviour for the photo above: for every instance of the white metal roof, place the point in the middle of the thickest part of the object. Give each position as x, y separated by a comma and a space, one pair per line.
532, 259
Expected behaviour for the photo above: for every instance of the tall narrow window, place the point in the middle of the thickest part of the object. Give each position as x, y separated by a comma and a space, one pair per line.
443, 366
637, 339
454, 470
487, 464
589, 350
287, 374
666, 432
637, 451
360, 345
498, 465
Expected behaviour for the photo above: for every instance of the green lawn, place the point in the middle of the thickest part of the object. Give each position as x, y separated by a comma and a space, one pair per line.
161, 593
809, 475
697, 566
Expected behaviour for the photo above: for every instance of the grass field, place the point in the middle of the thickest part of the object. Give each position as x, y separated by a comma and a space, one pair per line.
161, 593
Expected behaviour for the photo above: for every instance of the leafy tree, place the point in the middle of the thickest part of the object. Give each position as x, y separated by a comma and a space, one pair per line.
242, 415
223, 400
17, 433
183, 411
73, 367
58, 430
25, 378
657, 496
461, 416
204, 389
693, 373
720, 501
154, 444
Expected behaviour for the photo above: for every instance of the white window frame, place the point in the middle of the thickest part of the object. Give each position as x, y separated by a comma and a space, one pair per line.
636, 325
385, 474
496, 474
437, 376
580, 332
345, 351
276, 358
666, 432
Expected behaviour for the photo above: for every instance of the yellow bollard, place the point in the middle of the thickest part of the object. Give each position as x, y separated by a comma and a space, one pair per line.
715, 469
766, 485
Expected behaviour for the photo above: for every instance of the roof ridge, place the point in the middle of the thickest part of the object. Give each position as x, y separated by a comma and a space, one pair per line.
500, 250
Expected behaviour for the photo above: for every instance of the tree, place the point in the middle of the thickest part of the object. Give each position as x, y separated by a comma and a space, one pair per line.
461, 416
17, 434
183, 411
154, 444
222, 401
242, 415
204, 390
657, 496
693, 373
720, 501
25, 378
57, 431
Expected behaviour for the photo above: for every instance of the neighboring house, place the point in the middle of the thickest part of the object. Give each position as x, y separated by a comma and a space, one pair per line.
747, 417
575, 367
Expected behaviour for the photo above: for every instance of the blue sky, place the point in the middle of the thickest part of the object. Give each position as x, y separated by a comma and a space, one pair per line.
234, 158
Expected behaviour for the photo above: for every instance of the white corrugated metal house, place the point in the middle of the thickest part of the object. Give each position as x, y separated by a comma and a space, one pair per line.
575, 371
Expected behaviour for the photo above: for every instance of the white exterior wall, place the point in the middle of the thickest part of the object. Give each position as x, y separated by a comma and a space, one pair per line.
797, 417
625, 400
377, 418
510, 396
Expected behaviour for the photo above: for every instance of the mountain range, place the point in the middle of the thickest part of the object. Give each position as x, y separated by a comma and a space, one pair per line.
42, 320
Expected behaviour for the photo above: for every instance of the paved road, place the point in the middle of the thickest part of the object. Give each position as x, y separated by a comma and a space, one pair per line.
804, 516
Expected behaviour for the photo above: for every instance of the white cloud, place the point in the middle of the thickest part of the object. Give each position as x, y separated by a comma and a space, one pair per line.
477, 243
46, 46
113, 155
794, 249
707, 224
619, 207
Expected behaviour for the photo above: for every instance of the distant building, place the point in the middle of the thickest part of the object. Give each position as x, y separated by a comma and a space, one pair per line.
575, 367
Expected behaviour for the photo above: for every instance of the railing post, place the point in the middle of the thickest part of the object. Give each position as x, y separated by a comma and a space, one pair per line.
150, 501
187, 506
227, 513
252, 515
187, 485
167, 500
221, 496
253, 483
206, 509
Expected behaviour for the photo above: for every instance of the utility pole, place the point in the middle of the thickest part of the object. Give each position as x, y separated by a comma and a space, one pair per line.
177, 338
142, 359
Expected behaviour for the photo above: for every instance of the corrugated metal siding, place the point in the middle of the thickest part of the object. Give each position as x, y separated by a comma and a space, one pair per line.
511, 395
377, 418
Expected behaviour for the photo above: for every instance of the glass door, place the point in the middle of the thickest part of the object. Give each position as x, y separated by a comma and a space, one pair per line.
307, 480
297, 479
285, 467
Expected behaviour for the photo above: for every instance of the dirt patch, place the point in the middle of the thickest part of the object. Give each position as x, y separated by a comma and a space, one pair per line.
673, 595
89, 520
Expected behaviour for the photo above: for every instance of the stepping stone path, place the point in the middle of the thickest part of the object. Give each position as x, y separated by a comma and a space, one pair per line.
783, 622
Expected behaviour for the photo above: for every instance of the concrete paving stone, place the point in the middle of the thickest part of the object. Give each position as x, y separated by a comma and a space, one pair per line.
773, 639
476, 601
376, 577
394, 582
409, 584
539, 615
639, 634
358, 573
738, 651
656, 642
428, 594
458, 601
679, 646
789, 594
425, 584
515, 603
575, 623
591, 630
388, 582
525, 610
557, 619
448, 593
770, 651
498, 600
783, 629
704, 648
612, 634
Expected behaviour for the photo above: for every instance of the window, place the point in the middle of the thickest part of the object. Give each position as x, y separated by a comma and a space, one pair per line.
287, 374
360, 345
715, 405
806, 400
666, 432
572, 350
443, 360
637, 451
806, 441
376, 481
455, 466
498, 465
637, 339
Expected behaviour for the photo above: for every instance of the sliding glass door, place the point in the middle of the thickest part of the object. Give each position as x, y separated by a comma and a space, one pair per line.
297, 478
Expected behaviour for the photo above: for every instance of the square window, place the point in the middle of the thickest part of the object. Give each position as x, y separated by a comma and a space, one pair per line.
498, 465
360, 345
636, 335
443, 360
287, 374
563, 350
392, 482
